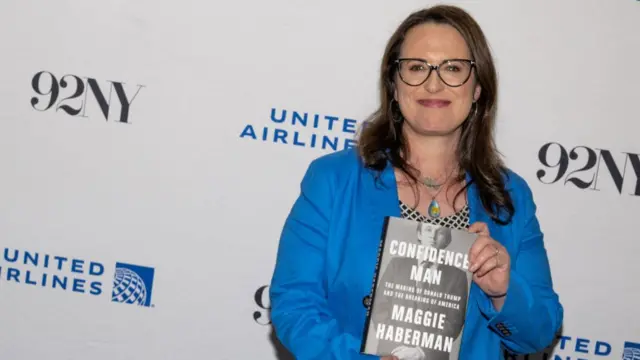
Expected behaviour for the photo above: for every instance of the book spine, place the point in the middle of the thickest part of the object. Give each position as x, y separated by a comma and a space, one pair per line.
376, 275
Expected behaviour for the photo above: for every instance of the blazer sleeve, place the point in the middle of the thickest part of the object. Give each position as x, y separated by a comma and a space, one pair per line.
532, 313
300, 315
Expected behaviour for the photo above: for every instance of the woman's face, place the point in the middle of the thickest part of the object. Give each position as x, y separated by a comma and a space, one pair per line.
434, 108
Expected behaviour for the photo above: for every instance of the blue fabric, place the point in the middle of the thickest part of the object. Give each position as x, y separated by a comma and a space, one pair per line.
327, 256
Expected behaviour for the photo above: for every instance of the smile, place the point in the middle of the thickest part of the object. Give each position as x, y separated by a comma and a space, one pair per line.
434, 103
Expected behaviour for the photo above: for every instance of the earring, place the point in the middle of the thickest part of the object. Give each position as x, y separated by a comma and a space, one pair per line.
475, 110
396, 119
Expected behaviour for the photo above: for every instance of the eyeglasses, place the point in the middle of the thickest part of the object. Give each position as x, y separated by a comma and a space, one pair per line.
453, 72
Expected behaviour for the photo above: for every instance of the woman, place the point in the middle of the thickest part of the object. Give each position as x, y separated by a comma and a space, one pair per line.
428, 154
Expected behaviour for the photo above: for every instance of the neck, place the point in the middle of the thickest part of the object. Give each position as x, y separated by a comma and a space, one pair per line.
434, 156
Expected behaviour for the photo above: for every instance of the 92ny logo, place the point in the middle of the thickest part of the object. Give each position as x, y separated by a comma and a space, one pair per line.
70, 94
583, 166
261, 298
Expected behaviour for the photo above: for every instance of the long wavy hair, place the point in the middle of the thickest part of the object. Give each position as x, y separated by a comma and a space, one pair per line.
380, 140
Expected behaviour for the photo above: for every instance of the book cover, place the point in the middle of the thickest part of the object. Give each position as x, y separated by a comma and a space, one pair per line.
420, 291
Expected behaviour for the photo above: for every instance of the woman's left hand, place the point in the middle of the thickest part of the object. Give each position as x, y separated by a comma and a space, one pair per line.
489, 262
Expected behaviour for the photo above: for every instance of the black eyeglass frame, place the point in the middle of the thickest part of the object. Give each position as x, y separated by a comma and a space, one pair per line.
472, 65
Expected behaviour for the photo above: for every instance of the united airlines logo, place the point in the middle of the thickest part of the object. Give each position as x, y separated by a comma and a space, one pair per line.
132, 284
567, 347
304, 130
631, 351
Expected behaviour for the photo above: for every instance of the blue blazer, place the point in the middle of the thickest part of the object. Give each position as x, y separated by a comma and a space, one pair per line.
327, 256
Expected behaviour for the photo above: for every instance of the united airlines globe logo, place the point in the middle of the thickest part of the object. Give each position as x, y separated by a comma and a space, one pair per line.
132, 284
631, 351
128, 288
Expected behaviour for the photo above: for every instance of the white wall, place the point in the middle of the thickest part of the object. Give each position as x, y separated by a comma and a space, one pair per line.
178, 189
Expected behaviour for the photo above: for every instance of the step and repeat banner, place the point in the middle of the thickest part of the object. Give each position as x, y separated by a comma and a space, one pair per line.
151, 151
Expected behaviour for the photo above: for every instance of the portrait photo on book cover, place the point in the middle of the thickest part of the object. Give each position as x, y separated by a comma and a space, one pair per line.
420, 304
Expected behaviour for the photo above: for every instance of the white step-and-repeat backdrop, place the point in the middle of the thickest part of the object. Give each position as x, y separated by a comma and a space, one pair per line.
151, 150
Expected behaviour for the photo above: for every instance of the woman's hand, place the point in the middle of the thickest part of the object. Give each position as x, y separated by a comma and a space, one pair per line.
490, 264
388, 358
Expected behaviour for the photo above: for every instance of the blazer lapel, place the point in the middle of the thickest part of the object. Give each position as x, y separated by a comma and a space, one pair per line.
382, 193
476, 211
380, 196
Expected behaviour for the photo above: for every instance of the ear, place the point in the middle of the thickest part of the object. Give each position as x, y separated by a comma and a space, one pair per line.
476, 93
395, 93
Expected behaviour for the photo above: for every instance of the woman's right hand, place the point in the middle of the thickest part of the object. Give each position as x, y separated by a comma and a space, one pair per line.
389, 358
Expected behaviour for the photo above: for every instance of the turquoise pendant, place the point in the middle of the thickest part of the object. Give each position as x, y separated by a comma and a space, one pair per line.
434, 209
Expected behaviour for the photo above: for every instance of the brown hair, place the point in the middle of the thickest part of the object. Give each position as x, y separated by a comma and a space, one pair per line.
381, 141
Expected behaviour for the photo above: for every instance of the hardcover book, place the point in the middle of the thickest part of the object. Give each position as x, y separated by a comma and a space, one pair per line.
421, 285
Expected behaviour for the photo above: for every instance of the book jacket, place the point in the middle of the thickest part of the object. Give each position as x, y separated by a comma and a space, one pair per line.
418, 301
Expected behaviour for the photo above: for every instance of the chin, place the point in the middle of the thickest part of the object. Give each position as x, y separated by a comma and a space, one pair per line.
444, 131
443, 128
435, 126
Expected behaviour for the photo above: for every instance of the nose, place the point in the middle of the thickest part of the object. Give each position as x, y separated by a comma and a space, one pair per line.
434, 84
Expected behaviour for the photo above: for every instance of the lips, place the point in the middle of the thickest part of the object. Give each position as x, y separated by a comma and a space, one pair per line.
434, 103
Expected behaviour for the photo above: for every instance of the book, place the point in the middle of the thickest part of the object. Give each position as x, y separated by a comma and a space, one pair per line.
418, 301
